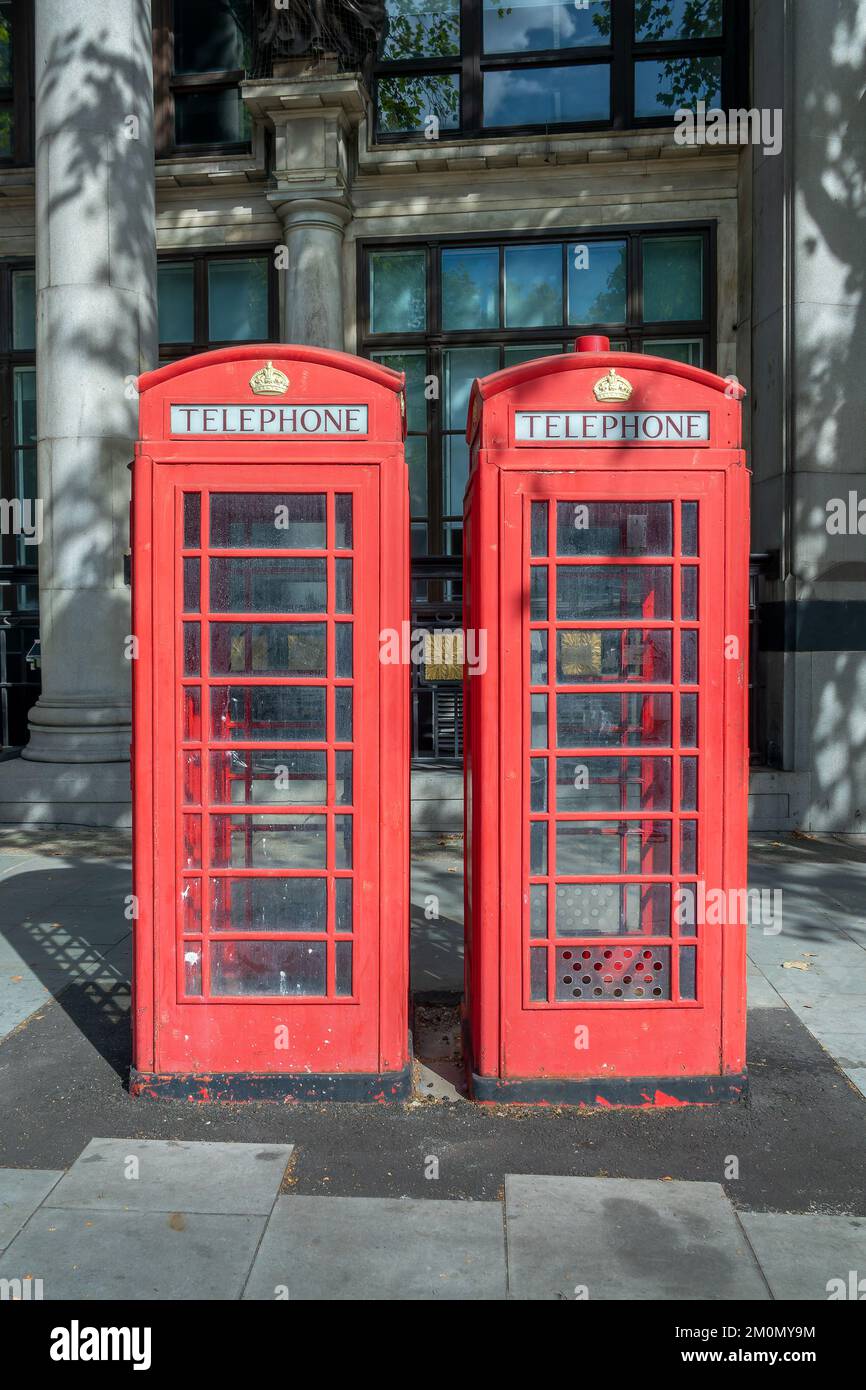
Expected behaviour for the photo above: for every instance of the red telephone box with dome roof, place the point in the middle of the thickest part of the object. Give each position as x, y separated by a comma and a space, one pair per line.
271, 746
606, 556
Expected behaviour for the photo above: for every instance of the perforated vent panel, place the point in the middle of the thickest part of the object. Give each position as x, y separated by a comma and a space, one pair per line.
592, 973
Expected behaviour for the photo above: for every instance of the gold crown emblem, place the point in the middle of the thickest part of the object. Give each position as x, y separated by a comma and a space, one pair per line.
269, 381
612, 387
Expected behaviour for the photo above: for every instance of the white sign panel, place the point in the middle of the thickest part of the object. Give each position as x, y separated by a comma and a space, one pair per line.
612, 426
284, 420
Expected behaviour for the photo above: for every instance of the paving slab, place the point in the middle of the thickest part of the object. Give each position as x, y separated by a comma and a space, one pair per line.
174, 1176
624, 1238
21, 1191
380, 1249
809, 1256
134, 1255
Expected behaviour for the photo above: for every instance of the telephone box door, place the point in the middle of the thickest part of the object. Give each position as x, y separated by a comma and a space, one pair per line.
266, 737
614, 674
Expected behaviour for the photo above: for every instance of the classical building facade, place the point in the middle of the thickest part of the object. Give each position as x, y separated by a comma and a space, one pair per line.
447, 186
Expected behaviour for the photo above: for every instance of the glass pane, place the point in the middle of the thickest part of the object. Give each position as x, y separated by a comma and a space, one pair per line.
688, 784
613, 909
688, 972
191, 584
398, 291
191, 905
191, 778
657, 20
281, 584
613, 654
267, 649
416, 460
530, 352
268, 777
211, 35
191, 713
5, 43
268, 713
538, 594
689, 604
613, 847
192, 842
414, 364
343, 586
7, 139
422, 29
238, 300
688, 657
596, 282
192, 520
267, 521
606, 721
533, 285
461, 367
343, 793
343, 713
269, 904
343, 967
343, 521
192, 649
688, 847
538, 909
268, 967
470, 292
672, 278
531, 26
24, 417
260, 842
689, 536
538, 847
418, 538
343, 650
689, 350
538, 541
174, 289
538, 657
613, 784
214, 116
665, 85
23, 302
612, 591
455, 472
689, 721
539, 721
343, 904
547, 96
343, 829
538, 976
614, 528
192, 967
538, 784
409, 105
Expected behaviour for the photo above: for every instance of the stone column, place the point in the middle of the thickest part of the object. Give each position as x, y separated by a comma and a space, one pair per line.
314, 114
313, 307
96, 330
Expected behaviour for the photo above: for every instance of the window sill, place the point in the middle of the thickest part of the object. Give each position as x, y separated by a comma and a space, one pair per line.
492, 151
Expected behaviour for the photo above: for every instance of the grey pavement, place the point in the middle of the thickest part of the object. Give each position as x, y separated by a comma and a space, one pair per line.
191, 1229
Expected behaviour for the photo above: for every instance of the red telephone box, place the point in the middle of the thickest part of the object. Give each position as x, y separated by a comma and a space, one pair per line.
606, 556
271, 746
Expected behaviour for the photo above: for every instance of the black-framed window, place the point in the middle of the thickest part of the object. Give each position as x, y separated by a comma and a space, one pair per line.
16, 82
19, 593
201, 53
448, 310
215, 299
481, 67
